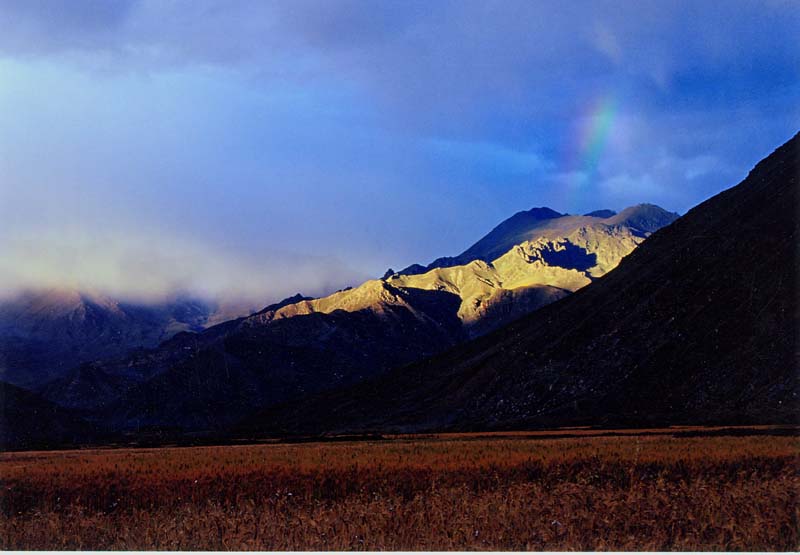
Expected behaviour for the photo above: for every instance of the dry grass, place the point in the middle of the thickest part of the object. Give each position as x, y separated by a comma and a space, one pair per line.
437, 493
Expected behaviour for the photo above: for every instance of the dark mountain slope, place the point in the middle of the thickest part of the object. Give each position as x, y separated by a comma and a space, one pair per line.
507, 234
201, 382
698, 325
646, 218
603, 213
28, 421
92, 385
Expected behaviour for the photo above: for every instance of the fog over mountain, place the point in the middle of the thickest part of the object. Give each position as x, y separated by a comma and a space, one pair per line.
46, 332
141, 268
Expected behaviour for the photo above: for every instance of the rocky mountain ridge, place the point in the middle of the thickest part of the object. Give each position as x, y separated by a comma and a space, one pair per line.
207, 380
555, 255
538, 223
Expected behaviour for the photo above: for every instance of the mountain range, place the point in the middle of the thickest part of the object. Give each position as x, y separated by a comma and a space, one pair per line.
203, 380
697, 326
632, 319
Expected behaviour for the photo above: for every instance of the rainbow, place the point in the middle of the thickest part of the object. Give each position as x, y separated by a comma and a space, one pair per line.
592, 138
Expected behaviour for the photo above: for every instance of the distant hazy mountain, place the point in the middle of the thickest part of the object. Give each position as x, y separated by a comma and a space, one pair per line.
44, 333
697, 326
207, 380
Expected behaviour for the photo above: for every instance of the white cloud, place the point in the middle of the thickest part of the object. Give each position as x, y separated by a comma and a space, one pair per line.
144, 264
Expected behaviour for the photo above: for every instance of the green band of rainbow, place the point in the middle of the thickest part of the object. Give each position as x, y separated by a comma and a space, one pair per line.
590, 145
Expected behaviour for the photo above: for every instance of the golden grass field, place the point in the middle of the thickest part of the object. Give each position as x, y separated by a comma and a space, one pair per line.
523, 491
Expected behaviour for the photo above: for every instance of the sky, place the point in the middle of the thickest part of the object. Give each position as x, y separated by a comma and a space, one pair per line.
256, 149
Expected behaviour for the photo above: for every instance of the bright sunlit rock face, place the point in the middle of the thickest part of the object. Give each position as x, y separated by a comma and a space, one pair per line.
559, 255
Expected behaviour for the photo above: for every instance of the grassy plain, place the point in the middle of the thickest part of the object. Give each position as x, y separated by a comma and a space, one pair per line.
640, 490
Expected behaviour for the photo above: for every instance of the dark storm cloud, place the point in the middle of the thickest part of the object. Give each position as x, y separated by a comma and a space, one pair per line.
380, 133
452, 64
42, 26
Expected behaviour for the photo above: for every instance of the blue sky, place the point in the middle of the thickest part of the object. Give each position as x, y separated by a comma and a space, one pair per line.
257, 149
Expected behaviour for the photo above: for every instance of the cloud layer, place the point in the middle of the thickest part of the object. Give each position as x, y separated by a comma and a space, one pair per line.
302, 145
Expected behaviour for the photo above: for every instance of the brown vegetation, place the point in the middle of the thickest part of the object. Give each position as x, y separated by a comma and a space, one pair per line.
438, 493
